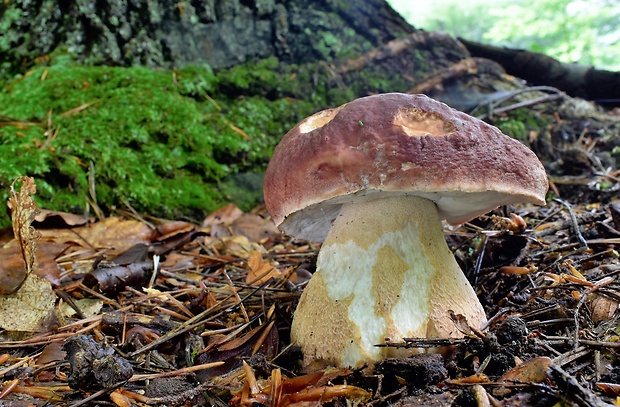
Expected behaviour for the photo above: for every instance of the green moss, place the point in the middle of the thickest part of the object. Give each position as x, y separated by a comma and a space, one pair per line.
160, 140
170, 143
518, 123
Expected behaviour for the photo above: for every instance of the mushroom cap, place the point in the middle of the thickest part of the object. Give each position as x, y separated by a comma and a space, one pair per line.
396, 144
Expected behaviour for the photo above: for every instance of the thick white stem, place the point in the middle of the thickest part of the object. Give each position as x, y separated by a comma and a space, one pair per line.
384, 271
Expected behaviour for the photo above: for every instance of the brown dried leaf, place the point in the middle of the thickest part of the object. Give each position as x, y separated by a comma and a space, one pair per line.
240, 246
460, 321
23, 213
602, 307
254, 228
115, 233
51, 353
260, 271
226, 215
170, 229
56, 219
610, 389
531, 371
29, 309
13, 271
12, 263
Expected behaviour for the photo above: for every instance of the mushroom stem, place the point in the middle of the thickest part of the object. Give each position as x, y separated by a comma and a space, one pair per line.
384, 271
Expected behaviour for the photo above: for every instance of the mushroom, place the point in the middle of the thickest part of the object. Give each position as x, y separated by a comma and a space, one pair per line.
372, 180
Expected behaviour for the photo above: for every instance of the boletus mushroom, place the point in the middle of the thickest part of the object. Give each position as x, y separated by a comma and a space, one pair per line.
372, 180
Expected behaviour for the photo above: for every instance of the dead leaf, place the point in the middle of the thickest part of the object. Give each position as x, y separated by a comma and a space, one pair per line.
231, 351
174, 235
13, 271
56, 219
46, 252
610, 389
460, 322
602, 307
167, 230
223, 216
29, 309
530, 371
116, 234
51, 353
254, 228
23, 212
88, 306
240, 246
260, 271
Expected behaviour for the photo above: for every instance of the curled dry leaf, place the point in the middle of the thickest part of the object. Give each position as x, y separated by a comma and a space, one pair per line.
18, 264
231, 350
23, 213
460, 322
56, 219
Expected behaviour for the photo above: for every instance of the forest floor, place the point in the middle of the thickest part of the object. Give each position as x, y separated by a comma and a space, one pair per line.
153, 312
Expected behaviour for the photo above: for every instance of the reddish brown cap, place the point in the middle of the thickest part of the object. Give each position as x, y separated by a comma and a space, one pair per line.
396, 144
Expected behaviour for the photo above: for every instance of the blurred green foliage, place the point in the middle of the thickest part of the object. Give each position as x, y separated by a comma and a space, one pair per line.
581, 31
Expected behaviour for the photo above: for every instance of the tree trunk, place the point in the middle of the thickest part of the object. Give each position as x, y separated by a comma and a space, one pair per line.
221, 33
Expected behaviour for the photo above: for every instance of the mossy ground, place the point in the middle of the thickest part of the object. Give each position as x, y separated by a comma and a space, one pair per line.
164, 141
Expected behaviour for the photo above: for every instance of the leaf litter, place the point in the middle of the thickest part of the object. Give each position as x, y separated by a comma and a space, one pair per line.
201, 312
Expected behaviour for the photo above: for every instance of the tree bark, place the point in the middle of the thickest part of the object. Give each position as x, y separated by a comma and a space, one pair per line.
221, 33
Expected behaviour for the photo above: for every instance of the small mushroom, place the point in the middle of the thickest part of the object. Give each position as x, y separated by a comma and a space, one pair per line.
372, 180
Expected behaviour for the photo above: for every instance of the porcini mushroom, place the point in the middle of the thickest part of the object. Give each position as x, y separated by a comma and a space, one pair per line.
372, 180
